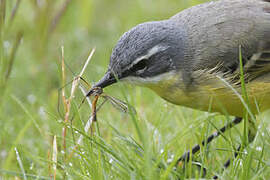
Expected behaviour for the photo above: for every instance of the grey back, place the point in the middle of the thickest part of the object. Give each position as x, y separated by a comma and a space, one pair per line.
216, 29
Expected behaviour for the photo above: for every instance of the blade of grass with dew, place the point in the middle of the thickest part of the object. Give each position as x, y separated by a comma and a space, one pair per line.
102, 144
22, 131
32, 176
20, 163
244, 95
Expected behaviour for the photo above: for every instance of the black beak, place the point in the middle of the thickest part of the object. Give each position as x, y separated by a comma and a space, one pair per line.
107, 80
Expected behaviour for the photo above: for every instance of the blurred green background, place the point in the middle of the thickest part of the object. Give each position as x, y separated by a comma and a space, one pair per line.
31, 35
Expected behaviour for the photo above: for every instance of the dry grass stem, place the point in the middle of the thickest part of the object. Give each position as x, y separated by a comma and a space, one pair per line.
63, 72
49, 164
2, 13
59, 14
54, 157
13, 53
67, 102
14, 11
87, 61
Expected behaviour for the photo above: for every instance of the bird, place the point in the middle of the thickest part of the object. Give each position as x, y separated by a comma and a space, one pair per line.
201, 58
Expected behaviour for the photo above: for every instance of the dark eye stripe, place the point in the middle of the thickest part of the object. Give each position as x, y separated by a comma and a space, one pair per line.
139, 66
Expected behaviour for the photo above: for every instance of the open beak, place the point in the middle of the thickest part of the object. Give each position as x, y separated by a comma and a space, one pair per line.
107, 80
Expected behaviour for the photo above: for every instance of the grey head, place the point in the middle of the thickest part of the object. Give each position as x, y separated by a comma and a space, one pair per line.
147, 50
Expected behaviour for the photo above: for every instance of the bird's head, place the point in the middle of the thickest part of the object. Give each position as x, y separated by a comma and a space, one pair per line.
145, 53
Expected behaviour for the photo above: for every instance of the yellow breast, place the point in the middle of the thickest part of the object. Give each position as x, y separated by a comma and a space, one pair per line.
213, 95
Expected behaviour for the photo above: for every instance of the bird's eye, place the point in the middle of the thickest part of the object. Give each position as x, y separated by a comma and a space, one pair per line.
141, 65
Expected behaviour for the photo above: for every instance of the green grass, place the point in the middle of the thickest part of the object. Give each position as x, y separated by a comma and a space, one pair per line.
123, 146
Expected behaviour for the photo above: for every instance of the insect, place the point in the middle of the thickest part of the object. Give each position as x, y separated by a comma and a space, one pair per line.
96, 93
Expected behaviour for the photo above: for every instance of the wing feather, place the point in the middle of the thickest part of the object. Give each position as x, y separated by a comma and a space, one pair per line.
259, 63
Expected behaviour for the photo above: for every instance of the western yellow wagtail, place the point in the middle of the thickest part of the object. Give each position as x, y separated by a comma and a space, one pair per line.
192, 59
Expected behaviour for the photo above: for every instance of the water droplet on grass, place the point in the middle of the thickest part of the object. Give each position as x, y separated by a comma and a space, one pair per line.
31, 98
110, 161
42, 113
259, 148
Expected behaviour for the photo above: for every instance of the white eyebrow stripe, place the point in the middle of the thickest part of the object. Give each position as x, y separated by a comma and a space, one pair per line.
150, 52
151, 80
